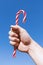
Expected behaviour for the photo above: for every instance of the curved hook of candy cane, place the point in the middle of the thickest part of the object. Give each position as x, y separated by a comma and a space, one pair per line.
17, 15
17, 19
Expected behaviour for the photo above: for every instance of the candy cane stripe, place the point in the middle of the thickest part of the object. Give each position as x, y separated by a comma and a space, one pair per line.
17, 19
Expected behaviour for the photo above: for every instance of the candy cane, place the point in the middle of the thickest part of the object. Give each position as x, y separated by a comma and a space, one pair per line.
17, 19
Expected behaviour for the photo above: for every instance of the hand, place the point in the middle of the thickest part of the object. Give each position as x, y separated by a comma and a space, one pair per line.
19, 38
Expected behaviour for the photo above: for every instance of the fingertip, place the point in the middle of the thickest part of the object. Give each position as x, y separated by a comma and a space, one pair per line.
11, 43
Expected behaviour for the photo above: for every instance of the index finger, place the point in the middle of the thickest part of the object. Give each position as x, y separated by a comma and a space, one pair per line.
15, 28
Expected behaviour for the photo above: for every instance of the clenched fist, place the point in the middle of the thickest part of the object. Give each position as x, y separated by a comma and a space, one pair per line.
19, 38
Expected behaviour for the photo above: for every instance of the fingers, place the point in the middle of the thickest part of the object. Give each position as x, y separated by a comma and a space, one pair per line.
14, 39
14, 43
15, 28
12, 34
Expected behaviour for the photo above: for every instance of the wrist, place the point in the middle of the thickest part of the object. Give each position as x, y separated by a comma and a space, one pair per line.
30, 47
35, 51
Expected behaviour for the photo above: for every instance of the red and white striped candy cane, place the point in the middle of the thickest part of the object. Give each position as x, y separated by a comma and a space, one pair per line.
17, 19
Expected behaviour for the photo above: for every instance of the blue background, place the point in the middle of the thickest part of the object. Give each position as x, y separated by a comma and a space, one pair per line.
34, 26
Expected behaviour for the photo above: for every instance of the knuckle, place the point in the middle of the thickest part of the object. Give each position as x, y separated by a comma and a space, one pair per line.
12, 43
16, 39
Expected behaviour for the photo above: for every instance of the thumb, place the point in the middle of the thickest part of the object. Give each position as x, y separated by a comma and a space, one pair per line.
15, 27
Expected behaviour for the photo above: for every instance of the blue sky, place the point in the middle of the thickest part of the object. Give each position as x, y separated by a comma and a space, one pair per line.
34, 26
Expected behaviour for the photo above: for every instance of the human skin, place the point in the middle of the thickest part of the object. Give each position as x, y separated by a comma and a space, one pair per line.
20, 38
